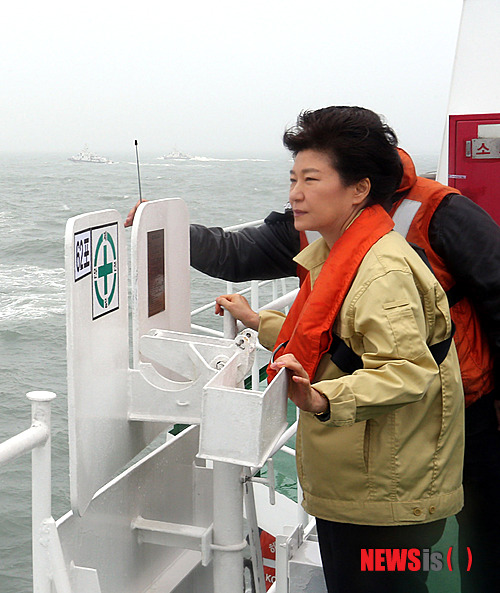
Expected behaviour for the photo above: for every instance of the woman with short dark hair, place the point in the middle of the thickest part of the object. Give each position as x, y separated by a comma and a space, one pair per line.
372, 366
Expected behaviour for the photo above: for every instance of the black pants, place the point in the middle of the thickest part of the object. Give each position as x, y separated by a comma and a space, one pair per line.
341, 545
479, 520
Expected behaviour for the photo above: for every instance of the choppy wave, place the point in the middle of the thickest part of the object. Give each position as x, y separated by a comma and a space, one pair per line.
5, 221
210, 159
204, 159
145, 164
30, 292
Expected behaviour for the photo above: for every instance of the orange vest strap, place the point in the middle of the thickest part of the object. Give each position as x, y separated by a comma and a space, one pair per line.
307, 328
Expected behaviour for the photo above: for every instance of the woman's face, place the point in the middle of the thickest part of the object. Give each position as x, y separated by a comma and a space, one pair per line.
319, 199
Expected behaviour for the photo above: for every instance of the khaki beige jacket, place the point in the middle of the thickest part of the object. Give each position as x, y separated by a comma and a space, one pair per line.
391, 452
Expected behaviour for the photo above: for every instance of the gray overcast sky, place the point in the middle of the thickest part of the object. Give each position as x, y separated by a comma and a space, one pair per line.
217, 77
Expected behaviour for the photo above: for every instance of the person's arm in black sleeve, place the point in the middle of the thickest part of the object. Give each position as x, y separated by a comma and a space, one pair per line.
263, 252
468, 240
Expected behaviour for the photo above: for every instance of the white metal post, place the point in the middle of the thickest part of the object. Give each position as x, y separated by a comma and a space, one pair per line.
303, 517
283, 291
254, 302
41, 492
230, 329
228, 528
229, 322
254, 535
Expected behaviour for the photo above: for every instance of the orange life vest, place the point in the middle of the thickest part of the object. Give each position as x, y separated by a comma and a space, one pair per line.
307, 329
420, 199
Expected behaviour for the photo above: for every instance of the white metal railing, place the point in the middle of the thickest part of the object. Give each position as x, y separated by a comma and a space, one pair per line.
38, 435
23, 442
37, 440
243, 225
231, 327
255, 287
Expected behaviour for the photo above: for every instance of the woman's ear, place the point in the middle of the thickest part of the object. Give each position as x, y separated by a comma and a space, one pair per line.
362, 190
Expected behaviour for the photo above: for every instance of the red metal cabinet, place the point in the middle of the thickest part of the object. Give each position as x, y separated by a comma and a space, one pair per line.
474, 159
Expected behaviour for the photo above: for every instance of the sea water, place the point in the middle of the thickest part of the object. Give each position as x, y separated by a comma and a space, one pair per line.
39, 192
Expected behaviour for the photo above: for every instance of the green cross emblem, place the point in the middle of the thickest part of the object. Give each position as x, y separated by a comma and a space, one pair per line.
107, 270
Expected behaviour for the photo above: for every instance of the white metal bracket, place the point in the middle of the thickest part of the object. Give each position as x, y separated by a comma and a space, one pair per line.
170, 387
84, 579
286, 546
175, 535
241, 426
268, 481
78, 578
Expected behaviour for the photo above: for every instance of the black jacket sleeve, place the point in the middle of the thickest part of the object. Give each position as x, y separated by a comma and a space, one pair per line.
255, 253
468, 240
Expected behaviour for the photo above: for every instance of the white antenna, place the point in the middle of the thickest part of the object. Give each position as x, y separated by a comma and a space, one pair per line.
138, 171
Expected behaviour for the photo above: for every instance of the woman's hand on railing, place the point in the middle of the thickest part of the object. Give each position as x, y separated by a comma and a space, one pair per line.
239, 308
300, 390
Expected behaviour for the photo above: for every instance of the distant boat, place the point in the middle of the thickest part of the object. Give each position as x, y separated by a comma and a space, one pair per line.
177, 155
85, 156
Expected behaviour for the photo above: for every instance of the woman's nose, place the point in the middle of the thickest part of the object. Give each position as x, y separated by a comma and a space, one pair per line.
296, 192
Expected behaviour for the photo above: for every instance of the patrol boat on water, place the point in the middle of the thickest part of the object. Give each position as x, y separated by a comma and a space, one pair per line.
156, 510
85, 156
176, 155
